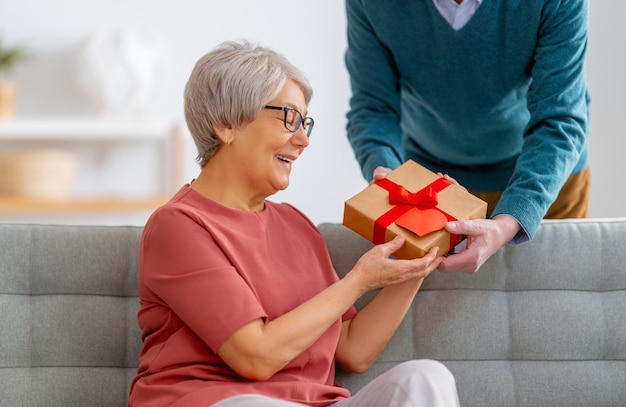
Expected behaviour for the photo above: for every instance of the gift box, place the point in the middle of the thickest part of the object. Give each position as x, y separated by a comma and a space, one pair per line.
415, 202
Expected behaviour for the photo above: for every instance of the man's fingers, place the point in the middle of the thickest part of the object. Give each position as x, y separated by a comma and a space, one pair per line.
465, 227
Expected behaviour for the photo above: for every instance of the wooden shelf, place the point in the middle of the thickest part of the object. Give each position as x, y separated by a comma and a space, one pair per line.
11, 204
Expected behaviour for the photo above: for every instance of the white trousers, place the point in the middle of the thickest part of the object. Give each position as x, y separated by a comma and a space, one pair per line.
416, 383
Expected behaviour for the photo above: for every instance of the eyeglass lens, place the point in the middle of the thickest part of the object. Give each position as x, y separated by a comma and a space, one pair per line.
294, 119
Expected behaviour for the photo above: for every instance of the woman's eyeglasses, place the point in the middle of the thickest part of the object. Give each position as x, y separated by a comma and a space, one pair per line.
293, 119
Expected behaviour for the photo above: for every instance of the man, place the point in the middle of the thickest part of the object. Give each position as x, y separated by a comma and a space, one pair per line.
492, 93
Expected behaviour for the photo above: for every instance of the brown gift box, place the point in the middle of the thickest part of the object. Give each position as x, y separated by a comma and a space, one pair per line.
362, 210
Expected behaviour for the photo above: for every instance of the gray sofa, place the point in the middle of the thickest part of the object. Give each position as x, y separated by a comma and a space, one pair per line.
541, 324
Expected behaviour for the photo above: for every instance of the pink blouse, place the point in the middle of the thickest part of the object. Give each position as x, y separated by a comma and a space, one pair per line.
206, 270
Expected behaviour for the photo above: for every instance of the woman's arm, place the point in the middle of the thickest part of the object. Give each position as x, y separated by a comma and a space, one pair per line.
365, 336
258, 350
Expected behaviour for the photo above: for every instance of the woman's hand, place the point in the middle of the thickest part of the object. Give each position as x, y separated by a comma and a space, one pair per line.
375, 269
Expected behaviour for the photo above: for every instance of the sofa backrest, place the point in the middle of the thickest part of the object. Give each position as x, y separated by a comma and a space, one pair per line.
69, 333
540, 324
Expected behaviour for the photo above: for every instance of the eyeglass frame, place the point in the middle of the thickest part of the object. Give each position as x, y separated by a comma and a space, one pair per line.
304, 121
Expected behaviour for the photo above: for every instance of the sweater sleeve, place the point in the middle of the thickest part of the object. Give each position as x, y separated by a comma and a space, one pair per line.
556, 135
373, 127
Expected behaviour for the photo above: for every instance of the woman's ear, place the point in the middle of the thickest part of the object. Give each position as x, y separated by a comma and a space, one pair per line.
226, 134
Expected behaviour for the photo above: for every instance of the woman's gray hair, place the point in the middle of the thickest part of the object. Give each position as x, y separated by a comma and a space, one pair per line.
229, 86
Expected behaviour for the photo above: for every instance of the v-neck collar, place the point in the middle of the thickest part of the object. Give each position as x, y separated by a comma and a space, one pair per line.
449, 11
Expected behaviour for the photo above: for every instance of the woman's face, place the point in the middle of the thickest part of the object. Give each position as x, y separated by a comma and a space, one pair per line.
266, 149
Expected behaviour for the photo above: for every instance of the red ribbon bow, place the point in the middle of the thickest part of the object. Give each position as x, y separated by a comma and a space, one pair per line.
398, 195
424, 200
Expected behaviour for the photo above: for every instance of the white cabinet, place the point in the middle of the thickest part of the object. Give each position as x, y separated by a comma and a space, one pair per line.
21, 133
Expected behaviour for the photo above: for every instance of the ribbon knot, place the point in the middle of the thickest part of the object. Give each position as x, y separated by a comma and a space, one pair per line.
424, 198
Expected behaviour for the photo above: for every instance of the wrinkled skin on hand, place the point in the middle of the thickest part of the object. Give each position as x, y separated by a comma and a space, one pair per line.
484, 237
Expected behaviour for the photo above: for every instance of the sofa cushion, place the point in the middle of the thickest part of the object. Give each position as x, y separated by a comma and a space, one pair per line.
69, 298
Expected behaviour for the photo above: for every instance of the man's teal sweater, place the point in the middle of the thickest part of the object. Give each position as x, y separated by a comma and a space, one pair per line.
500, 105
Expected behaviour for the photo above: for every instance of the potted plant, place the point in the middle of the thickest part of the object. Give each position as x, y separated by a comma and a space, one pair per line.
9, 58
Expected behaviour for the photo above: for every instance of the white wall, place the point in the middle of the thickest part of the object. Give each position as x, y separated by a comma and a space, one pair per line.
312, 35
606, 66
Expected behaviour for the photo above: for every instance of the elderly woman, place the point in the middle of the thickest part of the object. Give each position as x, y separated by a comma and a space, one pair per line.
240, 305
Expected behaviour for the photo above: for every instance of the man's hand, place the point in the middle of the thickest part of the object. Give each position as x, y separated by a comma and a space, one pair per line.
484, 238
380, 173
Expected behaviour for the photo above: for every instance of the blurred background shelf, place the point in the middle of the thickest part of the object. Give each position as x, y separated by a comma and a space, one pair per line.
101, 137
84, 128
14, 204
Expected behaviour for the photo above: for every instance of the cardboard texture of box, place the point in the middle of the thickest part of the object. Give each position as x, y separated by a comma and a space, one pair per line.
366, 211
